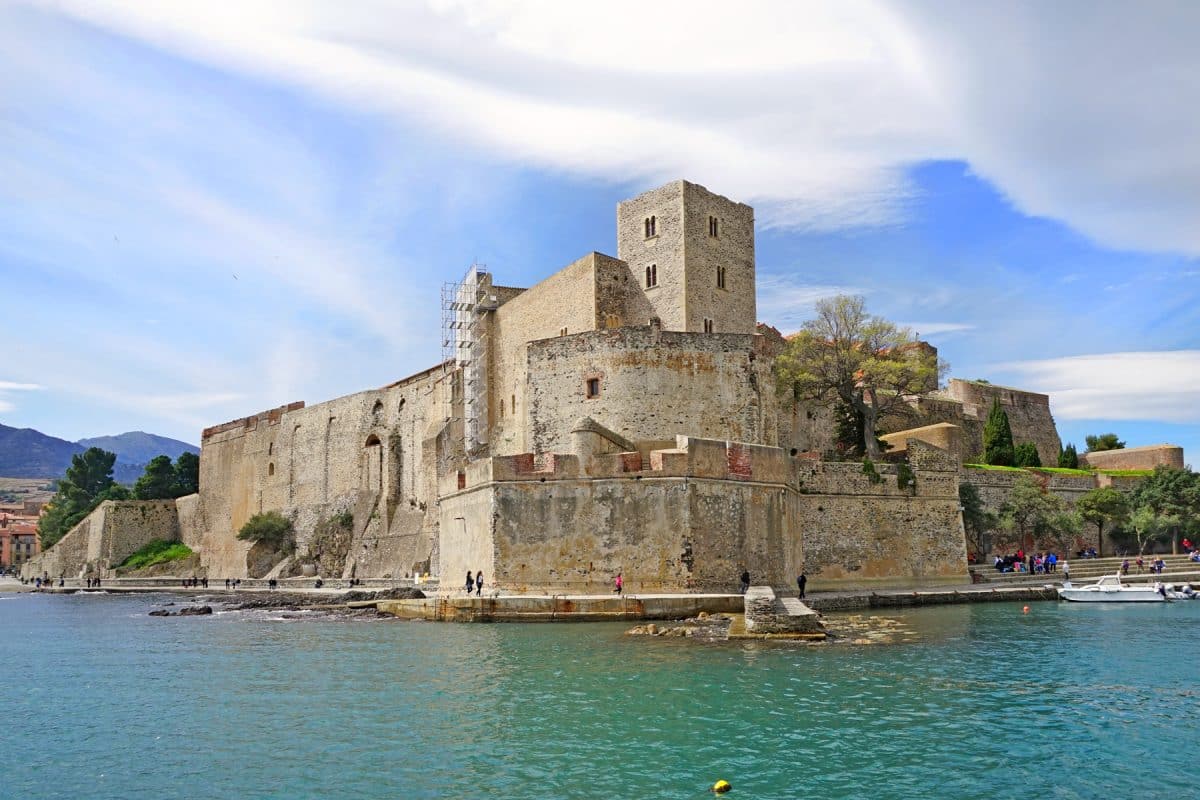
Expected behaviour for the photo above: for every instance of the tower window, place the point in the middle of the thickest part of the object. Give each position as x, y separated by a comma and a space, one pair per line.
562, 331
593, 387
713, 226
720, 277
514, 404
651, 227
652, 275
708, 326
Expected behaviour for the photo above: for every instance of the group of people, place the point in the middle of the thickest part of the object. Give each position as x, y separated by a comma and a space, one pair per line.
197, 583
1033, 563
475, 584
1157, 565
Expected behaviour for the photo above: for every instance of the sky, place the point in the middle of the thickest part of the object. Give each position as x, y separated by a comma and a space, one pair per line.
211, 209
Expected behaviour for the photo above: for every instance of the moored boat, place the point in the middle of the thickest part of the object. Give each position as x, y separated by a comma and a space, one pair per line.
1110, 589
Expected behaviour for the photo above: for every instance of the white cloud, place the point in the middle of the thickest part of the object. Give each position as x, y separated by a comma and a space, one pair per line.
1157, 386
10, 386
786, 304
1079, 112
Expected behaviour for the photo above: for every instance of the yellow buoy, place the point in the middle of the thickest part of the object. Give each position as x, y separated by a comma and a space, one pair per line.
720, 787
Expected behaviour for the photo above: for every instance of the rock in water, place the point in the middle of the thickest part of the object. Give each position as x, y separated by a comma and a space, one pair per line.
195, 611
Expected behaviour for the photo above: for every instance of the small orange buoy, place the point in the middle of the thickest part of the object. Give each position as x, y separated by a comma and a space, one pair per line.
1025, 610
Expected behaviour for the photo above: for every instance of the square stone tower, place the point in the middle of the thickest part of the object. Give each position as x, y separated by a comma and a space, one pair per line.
692, 253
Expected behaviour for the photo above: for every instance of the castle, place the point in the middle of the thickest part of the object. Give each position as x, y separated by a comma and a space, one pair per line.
621, 416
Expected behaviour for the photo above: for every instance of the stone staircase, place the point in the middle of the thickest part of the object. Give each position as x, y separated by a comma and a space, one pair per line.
768, 614
1177, 569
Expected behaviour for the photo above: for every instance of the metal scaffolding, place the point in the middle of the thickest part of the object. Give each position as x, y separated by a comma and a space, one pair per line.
465, 304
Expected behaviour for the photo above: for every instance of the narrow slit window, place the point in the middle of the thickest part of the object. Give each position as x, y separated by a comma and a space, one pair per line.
720, 277
593, 387
708, 326
713, 226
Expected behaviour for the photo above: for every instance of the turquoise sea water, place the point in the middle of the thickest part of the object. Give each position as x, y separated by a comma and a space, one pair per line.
1066, 702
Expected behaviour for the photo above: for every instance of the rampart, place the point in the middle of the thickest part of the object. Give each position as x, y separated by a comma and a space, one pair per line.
103, 539
370, 457
697, 515
1148, 457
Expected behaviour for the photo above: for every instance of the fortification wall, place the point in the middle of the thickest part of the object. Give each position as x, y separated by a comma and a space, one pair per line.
700, 514
1148, 457
114, 531
1028, 416
373, 454
995, 488
565, 300
862, 531
653, 384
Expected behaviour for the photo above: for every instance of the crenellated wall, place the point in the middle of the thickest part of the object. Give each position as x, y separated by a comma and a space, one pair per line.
694, 516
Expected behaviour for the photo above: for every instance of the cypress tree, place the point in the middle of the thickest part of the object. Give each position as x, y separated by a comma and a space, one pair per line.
1026, 455
1068, 457
997, 437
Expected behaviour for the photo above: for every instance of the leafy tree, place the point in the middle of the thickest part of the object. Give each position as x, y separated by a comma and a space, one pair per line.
271, 528
862, 361
1103, 506
1105, 441
1026, 455
87, 483
158, 482
997, 437
1148, 527
187, 473
977, 520
1172, 495
1033, 511
1068, 457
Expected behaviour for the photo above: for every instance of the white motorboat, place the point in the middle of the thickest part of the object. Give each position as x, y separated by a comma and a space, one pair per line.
1109, 589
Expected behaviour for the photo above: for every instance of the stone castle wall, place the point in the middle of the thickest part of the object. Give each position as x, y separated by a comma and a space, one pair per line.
653, 385
695, 518
1148, 457
374, 454
1028, 416
114, 531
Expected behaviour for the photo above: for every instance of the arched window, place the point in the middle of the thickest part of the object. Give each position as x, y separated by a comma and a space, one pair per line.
720, 277
651, 227
270, 469
652, 276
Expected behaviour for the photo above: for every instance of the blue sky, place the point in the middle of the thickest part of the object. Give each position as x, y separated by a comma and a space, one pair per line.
207, 209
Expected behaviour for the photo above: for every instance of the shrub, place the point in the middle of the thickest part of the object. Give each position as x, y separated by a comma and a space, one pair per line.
270, 528
906, 479
868, 468
158, 551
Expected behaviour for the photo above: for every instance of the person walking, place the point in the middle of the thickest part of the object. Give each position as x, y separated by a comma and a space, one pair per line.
1066, 570
470, 582
745, 580
618, 584
479, 584
801, 582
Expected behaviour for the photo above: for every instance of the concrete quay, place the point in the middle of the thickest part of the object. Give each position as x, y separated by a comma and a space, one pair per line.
561, 608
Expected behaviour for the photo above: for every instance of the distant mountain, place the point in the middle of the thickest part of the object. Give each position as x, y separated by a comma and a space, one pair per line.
137, 447
26, 453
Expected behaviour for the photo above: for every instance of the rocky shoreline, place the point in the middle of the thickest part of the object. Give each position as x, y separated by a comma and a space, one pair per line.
341, 604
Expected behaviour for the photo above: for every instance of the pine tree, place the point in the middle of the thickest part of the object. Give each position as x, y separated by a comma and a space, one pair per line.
997, 437
1068, 457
